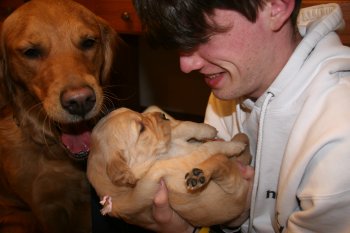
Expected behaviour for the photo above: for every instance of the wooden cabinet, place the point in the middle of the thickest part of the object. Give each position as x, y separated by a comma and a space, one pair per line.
119, 13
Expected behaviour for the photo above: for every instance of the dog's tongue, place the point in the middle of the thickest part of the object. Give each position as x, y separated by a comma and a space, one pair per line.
77, 143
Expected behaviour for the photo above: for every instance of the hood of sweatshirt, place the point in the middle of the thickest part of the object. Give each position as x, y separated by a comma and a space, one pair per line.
315, 24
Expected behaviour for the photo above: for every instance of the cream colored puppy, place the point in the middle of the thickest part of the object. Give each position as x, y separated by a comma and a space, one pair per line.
131, 152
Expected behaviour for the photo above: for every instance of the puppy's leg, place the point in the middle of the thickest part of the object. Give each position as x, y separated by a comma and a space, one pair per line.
219, 169
187, 129
192, 130
230, 149
244, 157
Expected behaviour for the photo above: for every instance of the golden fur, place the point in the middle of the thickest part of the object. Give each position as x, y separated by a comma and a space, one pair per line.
132, 151
55, 55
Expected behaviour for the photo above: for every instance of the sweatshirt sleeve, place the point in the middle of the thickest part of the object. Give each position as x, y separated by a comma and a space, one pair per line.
324, 194
319, 169
221, 115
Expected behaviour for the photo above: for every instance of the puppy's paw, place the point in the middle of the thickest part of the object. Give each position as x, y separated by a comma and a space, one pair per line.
235, 148
195, 179
106, 202
241, 146
209, 132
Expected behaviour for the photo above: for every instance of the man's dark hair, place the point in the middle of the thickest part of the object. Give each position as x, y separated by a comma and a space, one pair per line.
183, 24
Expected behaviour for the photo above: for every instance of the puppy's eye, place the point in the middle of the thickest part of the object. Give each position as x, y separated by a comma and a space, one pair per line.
32, 53
164, 117
87, 43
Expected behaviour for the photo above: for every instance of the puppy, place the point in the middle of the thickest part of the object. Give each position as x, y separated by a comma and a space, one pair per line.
131, 152
55, 57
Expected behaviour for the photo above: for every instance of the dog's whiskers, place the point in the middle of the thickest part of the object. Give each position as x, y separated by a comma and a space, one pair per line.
49, 123
112, 94
104, 110
108, 99
28, 113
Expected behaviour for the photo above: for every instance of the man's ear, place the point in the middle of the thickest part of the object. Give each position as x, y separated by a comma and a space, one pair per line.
280, 12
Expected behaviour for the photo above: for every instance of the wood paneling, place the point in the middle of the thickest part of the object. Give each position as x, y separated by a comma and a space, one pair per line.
120, 14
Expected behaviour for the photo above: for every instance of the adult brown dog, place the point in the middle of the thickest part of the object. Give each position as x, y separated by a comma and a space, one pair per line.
131, 152
55, 55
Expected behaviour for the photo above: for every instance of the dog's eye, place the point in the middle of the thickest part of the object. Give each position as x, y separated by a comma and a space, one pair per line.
32, 53
88, 43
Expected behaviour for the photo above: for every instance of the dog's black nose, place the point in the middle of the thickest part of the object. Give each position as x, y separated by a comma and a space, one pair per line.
78, 101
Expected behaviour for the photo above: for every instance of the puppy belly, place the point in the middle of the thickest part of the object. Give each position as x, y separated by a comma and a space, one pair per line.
208, 207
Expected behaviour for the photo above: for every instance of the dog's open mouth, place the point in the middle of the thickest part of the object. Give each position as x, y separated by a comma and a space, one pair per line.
76, 139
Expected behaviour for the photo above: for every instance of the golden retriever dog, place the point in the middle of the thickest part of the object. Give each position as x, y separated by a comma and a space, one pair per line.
55, 57
131, 152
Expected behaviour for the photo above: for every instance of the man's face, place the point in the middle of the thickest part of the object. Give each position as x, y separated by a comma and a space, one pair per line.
238, 62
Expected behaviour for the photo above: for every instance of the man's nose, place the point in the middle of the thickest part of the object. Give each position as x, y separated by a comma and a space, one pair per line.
190, 62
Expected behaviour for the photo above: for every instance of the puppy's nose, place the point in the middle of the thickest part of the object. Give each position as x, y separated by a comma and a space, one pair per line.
78, 101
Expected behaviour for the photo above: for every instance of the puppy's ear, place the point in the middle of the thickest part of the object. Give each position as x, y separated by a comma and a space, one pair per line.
119, 172
155, 108
110, 39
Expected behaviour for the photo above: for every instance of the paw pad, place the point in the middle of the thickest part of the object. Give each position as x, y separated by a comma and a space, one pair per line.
195, 179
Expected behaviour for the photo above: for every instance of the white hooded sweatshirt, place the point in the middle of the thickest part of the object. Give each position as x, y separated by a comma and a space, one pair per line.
299, 131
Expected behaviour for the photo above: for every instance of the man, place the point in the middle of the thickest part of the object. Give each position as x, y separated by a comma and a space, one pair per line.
286, 86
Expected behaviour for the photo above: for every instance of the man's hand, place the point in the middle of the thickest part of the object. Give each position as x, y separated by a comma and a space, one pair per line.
248, 174
166, 220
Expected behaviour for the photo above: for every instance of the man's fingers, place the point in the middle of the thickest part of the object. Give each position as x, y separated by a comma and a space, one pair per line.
246, 171
162, 211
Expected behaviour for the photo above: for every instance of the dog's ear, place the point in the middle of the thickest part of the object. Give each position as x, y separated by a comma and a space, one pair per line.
3, 91
3, 79
119, 172
110, 40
